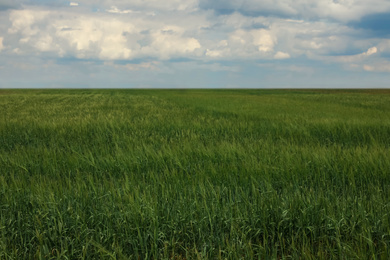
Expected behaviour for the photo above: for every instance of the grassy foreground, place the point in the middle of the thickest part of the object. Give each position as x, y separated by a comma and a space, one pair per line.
186, 174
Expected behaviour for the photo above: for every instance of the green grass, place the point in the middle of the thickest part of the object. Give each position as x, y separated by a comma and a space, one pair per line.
187, 174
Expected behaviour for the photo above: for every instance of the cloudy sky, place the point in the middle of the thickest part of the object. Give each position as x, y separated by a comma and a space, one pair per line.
195, 43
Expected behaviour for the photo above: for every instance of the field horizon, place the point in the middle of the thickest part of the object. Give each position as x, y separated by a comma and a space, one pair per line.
194, 173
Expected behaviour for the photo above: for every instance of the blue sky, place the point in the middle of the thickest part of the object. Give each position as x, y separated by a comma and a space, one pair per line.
195, 44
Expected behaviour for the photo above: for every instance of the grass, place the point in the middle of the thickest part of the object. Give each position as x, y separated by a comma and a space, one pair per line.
194, 174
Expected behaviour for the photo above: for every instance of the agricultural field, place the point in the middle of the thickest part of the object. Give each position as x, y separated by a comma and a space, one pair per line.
194, 174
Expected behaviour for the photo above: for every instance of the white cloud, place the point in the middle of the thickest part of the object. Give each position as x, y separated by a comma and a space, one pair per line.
368, 68
115, 10
253, 44
23, 21
90, 37
217, 53
369, 60
371, 51
341, 10
167, 5
377, 66
94, 36
263, 39
44, 43
125, 33
321, 38
1, 43
281, 55
139, 29
352, 58
169, 42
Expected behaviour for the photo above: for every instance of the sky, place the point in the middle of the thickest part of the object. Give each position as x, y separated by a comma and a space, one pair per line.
195, 44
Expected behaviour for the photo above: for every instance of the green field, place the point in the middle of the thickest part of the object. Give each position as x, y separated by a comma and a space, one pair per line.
194, 174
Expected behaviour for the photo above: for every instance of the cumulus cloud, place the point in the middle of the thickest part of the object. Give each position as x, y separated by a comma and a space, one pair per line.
115, 10
262, 40
1, 43
169, 42
168, 5
126, 32
281, 55
241, 43
89, 36
73, 4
